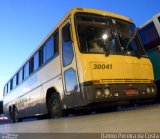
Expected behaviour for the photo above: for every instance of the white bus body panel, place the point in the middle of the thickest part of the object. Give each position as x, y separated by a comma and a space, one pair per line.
30, 96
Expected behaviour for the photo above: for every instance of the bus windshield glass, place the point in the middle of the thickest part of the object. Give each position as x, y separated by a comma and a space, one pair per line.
101, 34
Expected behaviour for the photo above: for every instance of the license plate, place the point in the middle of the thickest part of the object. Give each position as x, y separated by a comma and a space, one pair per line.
131, 92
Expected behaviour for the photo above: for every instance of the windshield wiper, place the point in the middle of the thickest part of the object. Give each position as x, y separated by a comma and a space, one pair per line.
137, 53
107, 50
131, 39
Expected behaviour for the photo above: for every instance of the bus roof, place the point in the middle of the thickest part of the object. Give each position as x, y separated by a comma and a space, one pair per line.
105, 13
72, 12
85, 10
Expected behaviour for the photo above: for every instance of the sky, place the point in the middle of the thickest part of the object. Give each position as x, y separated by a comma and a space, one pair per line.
25, 23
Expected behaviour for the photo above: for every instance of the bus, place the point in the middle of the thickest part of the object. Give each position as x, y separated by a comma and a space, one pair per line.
149, 34
91, 58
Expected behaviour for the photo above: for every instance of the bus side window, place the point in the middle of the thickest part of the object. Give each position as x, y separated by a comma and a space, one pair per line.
41, 57
5, 90
56, 42
48, 49
9, 86
159, 19
14, 81
149, 36
36, 61
31, 65
71, 80
26, 70
67, 48
20, 76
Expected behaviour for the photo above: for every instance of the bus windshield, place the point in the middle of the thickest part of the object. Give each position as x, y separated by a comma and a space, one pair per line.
101, 34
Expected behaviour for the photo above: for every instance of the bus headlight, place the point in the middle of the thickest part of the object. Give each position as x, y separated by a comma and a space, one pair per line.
143, 92
106, 92
148, 90
152, 89
98, 93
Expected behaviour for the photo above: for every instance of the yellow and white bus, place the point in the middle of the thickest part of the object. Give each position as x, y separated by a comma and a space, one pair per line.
90, 58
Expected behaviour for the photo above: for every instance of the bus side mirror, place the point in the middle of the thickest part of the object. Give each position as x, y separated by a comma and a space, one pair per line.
66, 33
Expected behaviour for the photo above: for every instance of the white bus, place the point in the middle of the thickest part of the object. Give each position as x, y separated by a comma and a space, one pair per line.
91, 57
149, 34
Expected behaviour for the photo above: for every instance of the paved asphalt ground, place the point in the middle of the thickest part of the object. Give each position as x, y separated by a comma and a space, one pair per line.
144, 119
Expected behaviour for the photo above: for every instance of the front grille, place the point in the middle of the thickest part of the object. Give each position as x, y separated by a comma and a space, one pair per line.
107, 81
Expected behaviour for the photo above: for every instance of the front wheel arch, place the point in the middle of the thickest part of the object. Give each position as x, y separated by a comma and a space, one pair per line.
53, 95
54, 105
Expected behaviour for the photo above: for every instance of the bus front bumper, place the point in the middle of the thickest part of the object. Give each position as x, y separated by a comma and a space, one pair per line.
117, 93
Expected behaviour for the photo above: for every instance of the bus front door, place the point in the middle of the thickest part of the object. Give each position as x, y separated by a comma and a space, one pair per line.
72, 95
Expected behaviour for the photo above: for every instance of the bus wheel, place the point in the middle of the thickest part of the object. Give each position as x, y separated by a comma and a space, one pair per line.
10, 114
54, 107
15, 118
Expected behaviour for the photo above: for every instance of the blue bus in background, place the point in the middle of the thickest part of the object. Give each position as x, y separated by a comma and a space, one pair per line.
149, 34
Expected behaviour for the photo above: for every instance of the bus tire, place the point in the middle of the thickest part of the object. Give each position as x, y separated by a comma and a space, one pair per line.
15, 118
10, 114
54, 107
